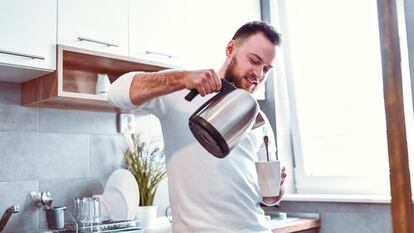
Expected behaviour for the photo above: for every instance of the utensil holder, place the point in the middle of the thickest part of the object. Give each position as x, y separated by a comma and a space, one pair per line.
55, 217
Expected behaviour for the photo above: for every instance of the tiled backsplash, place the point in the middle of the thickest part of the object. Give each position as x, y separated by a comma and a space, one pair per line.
69, 153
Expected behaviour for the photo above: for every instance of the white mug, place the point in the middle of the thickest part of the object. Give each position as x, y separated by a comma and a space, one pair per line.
268, 177
102, 84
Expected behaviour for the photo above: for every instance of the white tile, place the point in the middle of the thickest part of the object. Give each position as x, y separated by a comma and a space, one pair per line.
17, 192
34, 155
106, 154
72, 121
14, 116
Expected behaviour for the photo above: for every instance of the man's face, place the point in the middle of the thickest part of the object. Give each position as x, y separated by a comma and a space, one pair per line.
250, 61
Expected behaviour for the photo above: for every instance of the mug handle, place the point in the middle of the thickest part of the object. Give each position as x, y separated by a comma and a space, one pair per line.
168, 213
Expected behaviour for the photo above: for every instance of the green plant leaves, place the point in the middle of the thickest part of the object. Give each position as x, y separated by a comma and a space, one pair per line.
147, 164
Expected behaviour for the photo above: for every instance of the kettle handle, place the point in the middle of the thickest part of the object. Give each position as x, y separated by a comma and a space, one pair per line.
190, 96
226, 87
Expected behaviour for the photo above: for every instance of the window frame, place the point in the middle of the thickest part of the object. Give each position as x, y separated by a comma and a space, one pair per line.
319, 184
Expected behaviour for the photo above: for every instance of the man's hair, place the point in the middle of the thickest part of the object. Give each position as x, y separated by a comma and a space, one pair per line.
251, 28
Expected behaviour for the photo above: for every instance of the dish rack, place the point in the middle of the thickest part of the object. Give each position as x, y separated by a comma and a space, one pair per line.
107, 226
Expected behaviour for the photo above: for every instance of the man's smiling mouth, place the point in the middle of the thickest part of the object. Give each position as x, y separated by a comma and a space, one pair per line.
251, 80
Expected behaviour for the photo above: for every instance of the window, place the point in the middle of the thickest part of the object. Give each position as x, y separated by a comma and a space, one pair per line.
333, 70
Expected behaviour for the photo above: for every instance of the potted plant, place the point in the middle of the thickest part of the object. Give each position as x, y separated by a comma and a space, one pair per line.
146, 162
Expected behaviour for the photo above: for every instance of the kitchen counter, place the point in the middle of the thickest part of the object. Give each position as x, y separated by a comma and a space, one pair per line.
292, 223
162, 226
295, 225
282, 222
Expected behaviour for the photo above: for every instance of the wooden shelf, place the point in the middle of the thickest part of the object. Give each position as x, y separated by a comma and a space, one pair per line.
72, 85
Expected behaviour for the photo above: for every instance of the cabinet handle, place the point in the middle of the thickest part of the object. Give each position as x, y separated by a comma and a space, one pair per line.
22, 55
160, 54
80, 38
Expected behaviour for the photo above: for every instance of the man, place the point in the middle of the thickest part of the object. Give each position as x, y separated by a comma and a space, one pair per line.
208, 194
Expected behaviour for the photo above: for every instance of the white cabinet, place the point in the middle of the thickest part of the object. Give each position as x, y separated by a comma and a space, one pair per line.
211, 24
28, 38
187, 33
156, 30
99, 25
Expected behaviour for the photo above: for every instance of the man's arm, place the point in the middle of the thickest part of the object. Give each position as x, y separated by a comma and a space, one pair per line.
146, 86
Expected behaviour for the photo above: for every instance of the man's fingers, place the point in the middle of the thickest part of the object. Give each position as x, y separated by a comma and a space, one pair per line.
283, 175
207, 87
217, 82
214, 81
201, 90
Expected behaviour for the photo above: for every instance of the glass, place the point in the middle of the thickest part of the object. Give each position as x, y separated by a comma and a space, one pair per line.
87, 213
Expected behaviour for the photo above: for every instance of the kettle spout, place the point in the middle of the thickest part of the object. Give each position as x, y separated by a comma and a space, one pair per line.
259, 121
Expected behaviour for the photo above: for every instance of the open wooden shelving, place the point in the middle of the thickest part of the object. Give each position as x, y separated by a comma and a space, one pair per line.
72, 85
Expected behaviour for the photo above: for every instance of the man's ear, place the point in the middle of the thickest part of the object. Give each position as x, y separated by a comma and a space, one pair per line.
230, 47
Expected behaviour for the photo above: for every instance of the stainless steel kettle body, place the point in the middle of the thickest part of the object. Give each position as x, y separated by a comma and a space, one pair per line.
224, 120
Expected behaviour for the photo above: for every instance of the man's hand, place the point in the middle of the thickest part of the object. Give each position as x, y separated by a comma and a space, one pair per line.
282, 176
275, 199
205, 81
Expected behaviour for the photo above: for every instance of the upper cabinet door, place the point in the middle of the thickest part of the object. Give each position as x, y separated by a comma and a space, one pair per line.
210, 28
100, 25
157, 30
28, 35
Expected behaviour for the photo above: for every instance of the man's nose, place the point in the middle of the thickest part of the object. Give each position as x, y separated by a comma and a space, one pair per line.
258, 72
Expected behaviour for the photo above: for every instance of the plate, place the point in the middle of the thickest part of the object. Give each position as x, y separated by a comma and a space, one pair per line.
121, 194
116, 203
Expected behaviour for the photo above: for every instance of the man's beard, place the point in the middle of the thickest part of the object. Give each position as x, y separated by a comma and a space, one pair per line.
230, 75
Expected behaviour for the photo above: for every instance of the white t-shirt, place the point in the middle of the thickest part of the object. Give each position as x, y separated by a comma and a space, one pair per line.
207, 194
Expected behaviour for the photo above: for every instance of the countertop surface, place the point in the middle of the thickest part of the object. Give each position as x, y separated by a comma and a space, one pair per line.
289, 224
285, 224
162, 225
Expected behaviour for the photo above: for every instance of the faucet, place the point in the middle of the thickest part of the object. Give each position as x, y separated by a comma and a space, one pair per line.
7, 214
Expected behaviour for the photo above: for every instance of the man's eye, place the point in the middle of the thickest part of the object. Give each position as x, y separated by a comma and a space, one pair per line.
254, 62
266, 69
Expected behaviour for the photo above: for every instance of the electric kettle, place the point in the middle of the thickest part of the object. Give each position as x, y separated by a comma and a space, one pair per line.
224, 120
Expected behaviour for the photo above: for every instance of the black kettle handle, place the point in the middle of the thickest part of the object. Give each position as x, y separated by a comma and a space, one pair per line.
226, 87
190, 96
